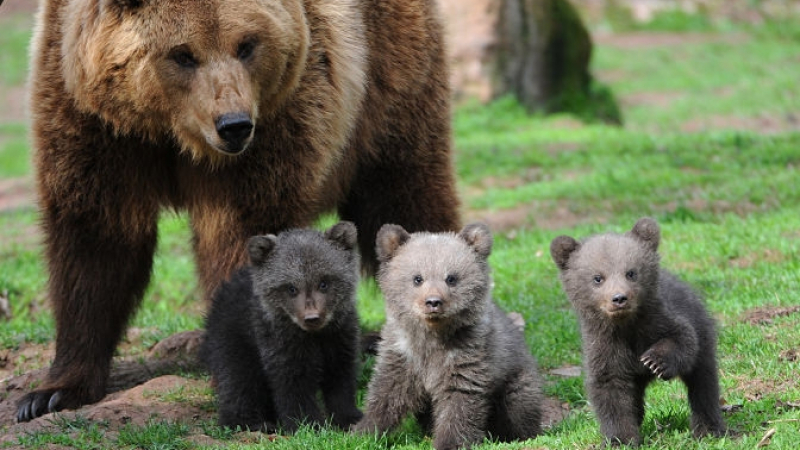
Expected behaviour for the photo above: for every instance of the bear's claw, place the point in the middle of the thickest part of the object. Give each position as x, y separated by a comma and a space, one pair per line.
37, 404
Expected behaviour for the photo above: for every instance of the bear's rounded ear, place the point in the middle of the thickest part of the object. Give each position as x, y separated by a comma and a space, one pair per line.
390, 238
647, 231
259, 248
343, 233
561, 248
479, 237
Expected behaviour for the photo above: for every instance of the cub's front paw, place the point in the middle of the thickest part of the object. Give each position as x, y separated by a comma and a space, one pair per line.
658, 364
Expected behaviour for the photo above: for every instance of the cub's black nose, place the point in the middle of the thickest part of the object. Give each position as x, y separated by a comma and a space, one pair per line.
619, 299
234, 129
433, 302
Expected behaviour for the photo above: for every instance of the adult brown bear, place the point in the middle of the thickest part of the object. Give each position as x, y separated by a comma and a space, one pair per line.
252, 115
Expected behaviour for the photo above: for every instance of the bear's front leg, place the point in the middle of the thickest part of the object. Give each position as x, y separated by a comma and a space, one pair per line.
339, 383
294, 386
100, 261
460, 419
619, 406
673, 355
393, 393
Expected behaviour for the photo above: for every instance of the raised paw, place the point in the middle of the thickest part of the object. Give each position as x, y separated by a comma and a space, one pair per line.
658, 365
37, 404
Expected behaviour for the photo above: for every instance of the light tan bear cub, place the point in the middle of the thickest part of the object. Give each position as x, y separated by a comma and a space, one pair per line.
449, 355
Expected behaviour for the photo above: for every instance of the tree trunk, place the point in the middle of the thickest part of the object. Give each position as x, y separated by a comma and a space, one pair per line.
541, 54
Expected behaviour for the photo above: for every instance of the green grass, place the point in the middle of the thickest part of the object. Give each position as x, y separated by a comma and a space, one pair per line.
728, 202
14, 57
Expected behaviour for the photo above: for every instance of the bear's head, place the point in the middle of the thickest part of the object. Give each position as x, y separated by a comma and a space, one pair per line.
609, 276
306, 275
202, 72
439, 280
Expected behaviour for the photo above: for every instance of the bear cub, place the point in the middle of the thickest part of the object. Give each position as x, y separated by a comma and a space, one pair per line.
285, 328
638, 322
448, 354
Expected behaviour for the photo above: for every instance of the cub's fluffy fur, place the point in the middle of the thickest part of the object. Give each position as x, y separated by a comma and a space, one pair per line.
284, 329
449, 355
638, 322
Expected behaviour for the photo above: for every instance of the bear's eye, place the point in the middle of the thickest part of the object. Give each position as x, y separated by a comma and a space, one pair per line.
291, 289
598, 279
323, 286
631, 275
451, 280
183, 57
245, 50
417, 280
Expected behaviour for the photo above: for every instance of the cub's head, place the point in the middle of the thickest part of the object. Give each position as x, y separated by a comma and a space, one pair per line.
608, 276
309, 276
200, 71
440, 280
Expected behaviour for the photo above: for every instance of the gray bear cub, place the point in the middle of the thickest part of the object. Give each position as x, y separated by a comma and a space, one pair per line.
448, 354
284, 329
638, 322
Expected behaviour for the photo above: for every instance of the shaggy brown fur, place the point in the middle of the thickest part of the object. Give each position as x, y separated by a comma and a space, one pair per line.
449, 355
253, 116
638, 322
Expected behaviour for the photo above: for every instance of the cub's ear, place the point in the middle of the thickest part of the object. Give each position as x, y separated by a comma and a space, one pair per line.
561, 248
479, 237
343, 234
390, 238
647, 231
259, 248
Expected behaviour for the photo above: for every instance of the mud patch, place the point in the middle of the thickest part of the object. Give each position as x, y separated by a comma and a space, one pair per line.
16, 193
766, 315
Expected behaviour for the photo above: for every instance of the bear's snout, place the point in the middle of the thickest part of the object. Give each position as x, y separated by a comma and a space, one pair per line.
619, 300
235, 130
433, 304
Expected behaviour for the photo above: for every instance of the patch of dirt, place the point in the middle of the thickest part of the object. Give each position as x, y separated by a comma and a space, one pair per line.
753, 388
143, 388
531, 215
650, 39
16, 193
651, 99
765, 315
764, 124
14, 104
764, 255
18, 7
138, 406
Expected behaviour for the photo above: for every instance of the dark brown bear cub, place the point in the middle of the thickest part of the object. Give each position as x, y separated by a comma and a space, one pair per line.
448, 354
285, 328
638, 322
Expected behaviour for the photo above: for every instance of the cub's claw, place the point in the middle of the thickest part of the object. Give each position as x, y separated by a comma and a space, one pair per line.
652, 365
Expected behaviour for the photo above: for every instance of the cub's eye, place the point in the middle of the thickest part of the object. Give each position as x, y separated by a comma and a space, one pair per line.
417, 280
323, 286
598, 279
183, 57
245, 50
451, 280
631, 275
291, 289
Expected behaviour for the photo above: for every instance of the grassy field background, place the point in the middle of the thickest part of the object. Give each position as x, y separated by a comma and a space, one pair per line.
710, 147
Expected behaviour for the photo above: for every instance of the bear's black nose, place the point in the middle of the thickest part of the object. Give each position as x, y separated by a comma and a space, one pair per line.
433, 303
619, 299
234, 129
